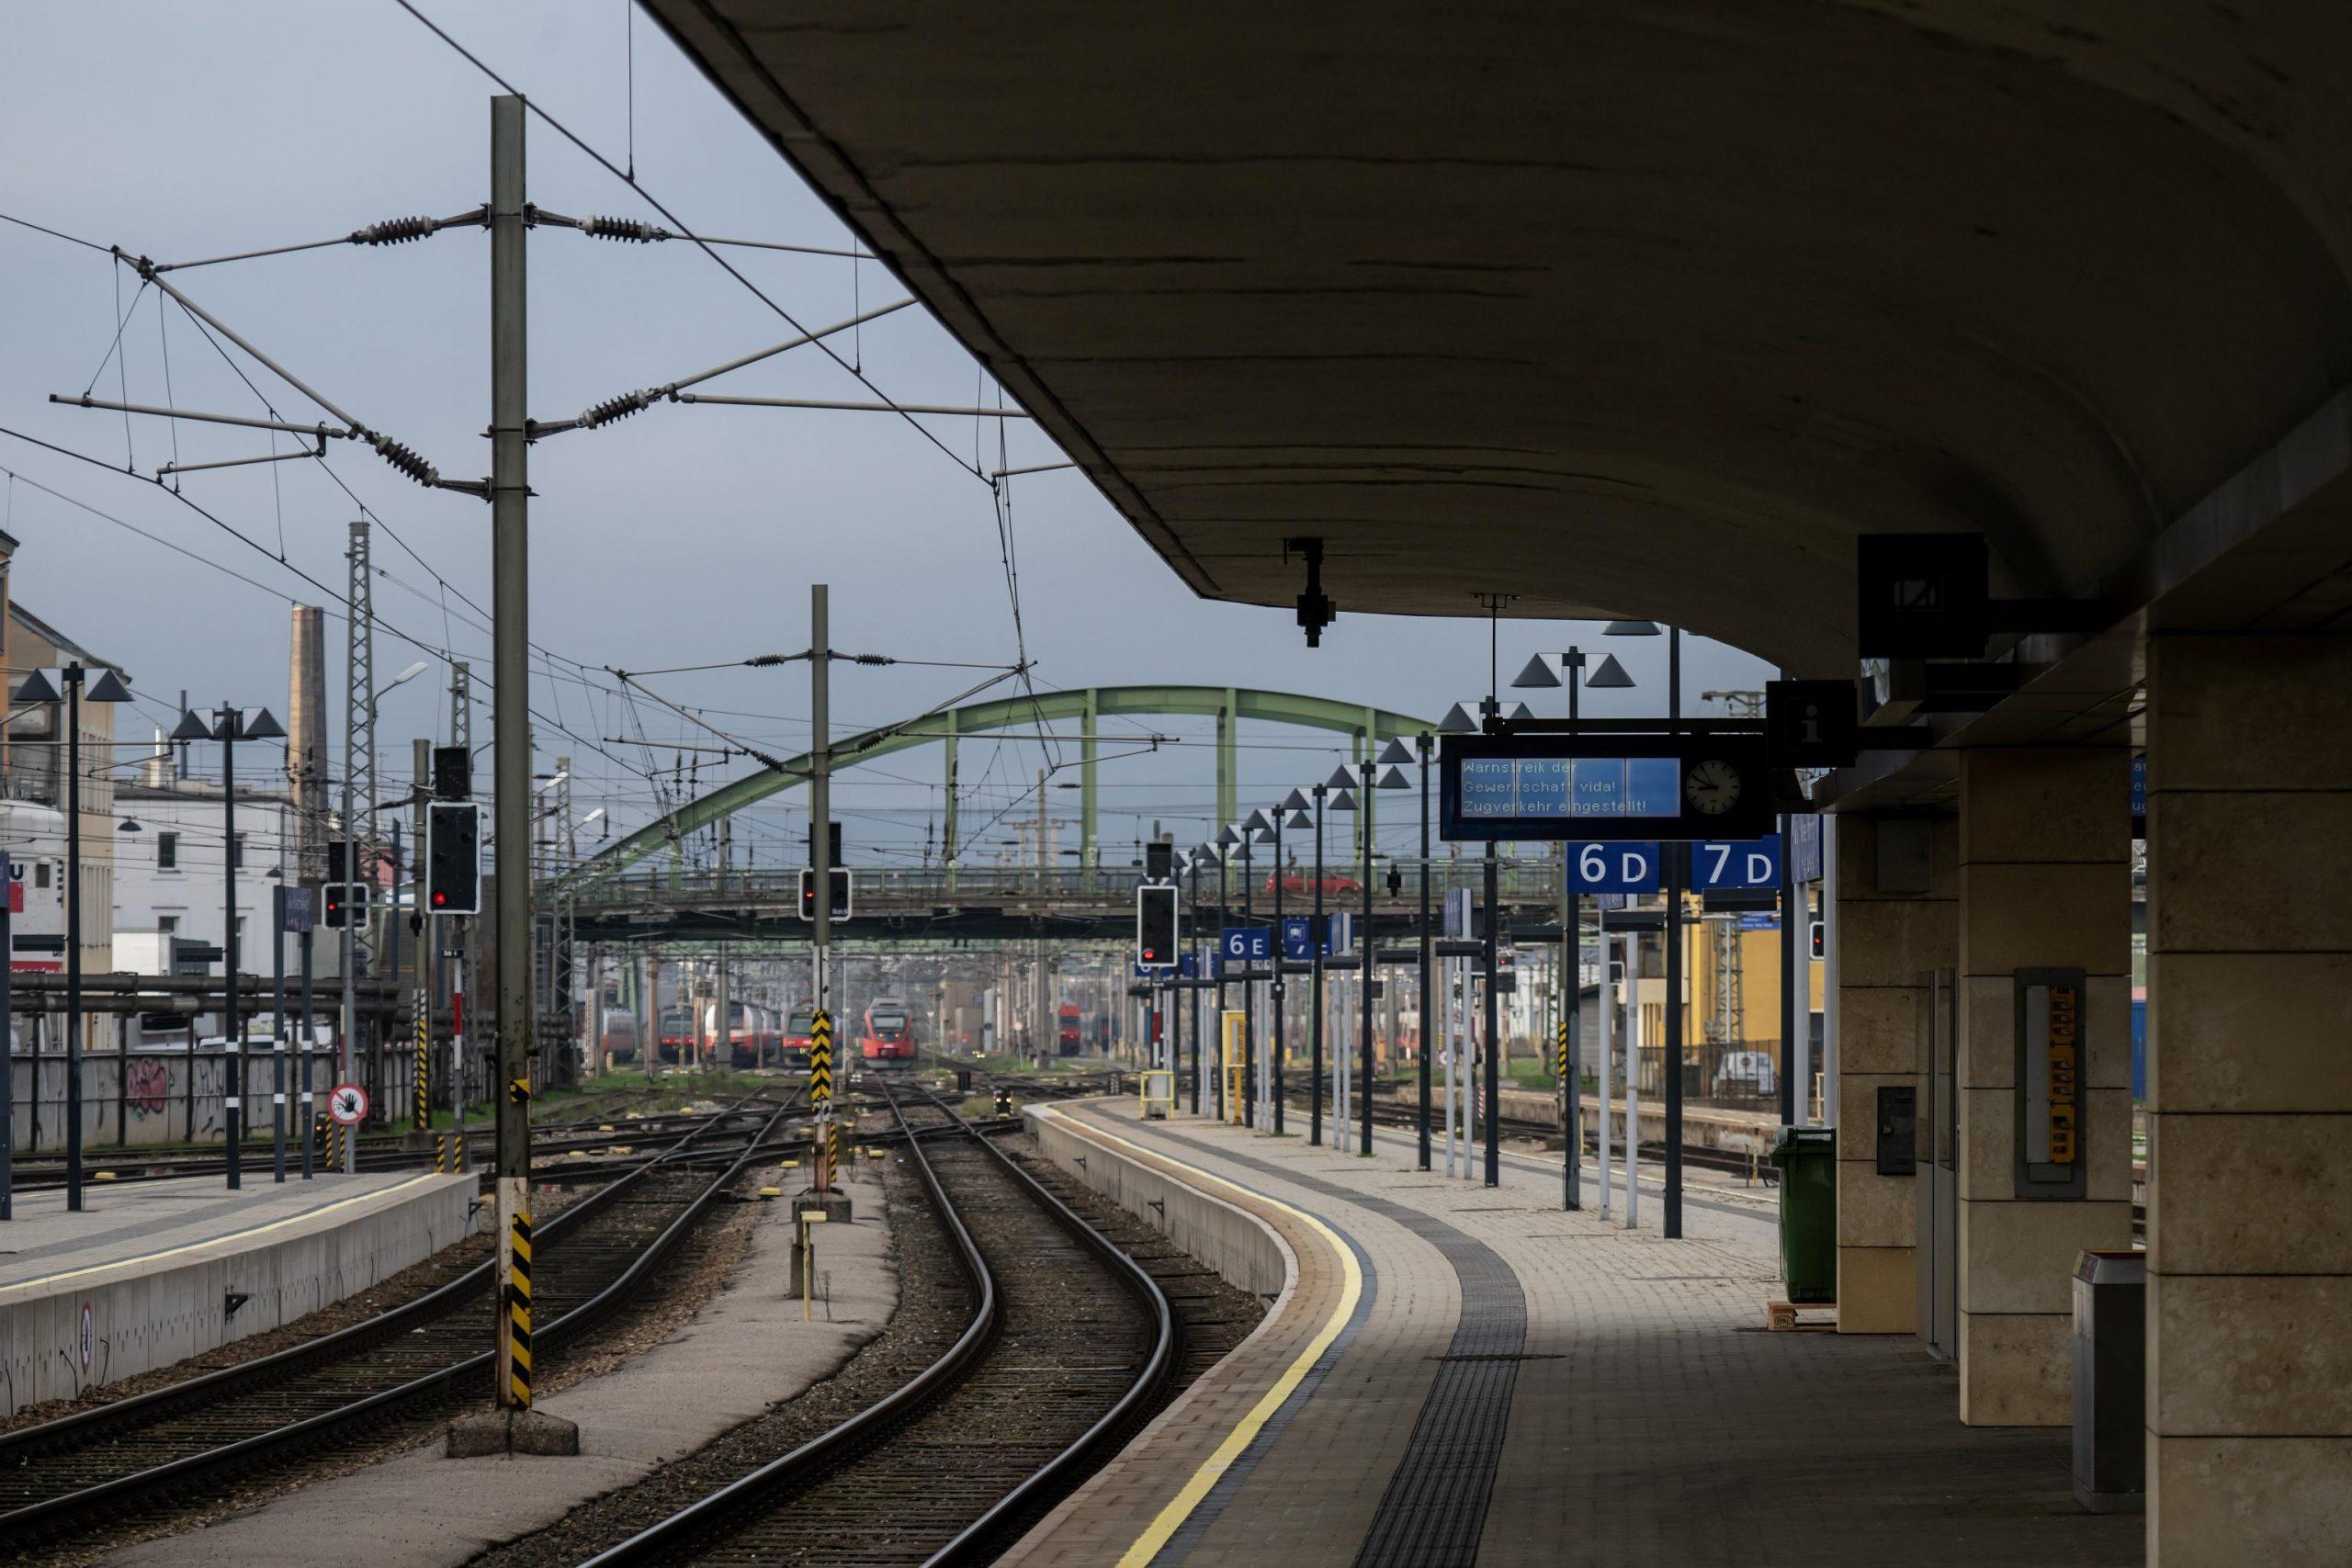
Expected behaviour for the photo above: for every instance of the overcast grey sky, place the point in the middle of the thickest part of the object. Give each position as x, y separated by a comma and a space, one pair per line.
682, 535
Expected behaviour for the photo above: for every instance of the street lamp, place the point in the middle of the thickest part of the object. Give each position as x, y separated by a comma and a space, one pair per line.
351, 856
228, 726
1674, 870
1203, 854
1606, 675
81, 684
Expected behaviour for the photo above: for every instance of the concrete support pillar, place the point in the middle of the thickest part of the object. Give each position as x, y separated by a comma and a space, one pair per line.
2045, 881
1895, 922
2249, 1088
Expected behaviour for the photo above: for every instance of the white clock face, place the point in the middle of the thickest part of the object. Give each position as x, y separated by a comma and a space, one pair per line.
1712, 786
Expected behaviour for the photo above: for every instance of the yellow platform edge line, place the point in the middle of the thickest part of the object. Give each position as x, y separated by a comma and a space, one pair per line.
1171, 1517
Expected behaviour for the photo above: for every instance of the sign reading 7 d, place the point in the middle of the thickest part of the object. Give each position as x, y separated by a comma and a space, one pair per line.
1717, 864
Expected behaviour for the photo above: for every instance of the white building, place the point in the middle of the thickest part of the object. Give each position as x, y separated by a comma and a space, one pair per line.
171, 857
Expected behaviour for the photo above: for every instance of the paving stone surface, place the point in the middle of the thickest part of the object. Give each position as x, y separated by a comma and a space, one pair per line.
1651, 1418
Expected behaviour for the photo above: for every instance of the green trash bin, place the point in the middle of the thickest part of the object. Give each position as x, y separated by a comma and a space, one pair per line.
1807, 1158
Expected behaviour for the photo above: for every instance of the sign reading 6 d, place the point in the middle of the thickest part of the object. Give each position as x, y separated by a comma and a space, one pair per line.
1612, 868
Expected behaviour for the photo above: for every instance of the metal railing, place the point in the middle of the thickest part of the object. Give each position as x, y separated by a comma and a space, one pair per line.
933, 887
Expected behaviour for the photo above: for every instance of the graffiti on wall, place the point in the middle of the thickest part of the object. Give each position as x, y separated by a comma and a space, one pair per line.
145, 1086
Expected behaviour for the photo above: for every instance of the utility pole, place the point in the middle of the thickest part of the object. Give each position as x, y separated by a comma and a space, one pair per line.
510, 718
358, 786
460, 928
427, 958
722, 1028
820, 855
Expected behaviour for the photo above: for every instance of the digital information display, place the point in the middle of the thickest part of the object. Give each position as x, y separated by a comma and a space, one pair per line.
1569, 789
1606, 787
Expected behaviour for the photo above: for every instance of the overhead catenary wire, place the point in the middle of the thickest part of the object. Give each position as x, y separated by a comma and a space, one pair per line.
685, 231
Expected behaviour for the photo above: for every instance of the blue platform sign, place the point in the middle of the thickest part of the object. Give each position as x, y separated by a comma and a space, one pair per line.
1298, 938
1186, 966
1804, 847
1720, 863
1248, 944
1615, 867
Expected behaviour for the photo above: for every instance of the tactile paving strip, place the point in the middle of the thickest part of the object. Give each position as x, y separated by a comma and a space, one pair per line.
1435, 1507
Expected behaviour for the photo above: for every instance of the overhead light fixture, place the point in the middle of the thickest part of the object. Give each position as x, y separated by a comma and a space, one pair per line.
1344, 801
1457, 721
260, 724
37, 687
1396, 752
1608, 674
1394, 778
105, 688
1630, 628
1536, 676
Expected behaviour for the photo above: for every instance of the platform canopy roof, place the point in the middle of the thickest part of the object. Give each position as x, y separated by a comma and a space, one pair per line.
1627, 310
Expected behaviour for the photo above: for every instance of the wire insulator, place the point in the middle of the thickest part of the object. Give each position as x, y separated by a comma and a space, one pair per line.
396, 232
634, 231
613, 408
406, 460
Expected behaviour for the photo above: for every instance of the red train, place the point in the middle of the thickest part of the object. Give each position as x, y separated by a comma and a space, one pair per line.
888, 1035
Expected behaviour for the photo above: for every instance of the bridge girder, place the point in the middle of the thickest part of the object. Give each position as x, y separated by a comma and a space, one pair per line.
1229, 705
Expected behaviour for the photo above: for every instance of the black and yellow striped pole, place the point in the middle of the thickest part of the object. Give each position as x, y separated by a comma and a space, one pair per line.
1560, 1059
424, 1070
514, 1259
518, 1313
820, 1096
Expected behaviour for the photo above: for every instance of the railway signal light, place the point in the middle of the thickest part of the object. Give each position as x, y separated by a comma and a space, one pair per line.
1156, 928
841, 908
453, 773
1820, 940
452, 856
346, 904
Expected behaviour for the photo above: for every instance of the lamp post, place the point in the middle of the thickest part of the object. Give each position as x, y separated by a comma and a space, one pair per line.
352, 839
1314, 955
1274, 1065
81, 684
1227, 840
1606, 675
230, 725
1675, 868
1426, 748
1201, 852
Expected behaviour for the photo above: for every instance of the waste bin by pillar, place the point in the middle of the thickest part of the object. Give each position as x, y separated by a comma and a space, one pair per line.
1807, 1158
2110, 1361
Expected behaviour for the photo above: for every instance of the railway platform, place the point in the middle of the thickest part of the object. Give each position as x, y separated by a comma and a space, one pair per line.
151, 1273
1453, 1373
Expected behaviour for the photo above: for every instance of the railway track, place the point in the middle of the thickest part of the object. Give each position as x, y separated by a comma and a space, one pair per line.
376, 1152
1069, 1344
139, 1457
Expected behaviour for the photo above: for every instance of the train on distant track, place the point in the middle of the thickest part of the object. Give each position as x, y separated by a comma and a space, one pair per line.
887, 1036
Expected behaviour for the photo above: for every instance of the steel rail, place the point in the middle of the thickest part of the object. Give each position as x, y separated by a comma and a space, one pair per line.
714, 1513
819, 1452
48, 1513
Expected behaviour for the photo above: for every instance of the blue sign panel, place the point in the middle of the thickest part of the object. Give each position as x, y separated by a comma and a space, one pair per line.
2140, 794
1248, 944
1805, 848
1187, 967
1614, 867
1298, 938
1719, 863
